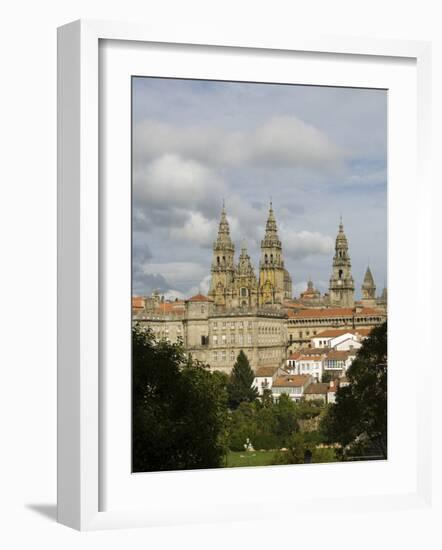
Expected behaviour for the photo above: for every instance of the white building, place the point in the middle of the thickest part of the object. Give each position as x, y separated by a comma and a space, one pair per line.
338, 361
342, 340
306, 364
292, 385
264, 377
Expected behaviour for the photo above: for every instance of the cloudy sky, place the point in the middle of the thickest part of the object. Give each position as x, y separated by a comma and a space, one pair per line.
318, 152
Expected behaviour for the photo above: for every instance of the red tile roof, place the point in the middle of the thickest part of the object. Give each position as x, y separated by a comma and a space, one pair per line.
333, 333
319, 388
291, 380
199, 298
137, 302
265, 371
337, 355
332, 312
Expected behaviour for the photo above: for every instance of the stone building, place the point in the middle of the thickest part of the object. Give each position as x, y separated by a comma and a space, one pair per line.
257, 313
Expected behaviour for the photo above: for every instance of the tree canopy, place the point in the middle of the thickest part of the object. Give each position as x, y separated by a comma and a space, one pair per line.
179, 408
240, 383
358, 419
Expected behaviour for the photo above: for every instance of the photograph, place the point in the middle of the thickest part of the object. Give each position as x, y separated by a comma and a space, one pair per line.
259, 274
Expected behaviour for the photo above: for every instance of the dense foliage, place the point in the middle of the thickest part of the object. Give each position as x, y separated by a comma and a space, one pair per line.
179, 408
268, 424
358, 420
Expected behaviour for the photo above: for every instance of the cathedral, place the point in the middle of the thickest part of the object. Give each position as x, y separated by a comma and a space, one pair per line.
256, 312
236, 286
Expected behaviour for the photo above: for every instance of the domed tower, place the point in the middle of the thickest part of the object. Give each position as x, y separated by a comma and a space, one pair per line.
274, 280
342, 285
245, 283
368, 289
310, 296
222, 263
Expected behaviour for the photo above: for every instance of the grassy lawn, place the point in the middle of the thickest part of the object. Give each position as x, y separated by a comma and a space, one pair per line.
254, 458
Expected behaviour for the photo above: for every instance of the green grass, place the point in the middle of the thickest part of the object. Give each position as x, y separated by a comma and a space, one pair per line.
250, 458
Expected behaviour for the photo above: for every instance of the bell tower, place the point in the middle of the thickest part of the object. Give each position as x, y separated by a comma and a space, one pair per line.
222, 263
342, 286
272, 275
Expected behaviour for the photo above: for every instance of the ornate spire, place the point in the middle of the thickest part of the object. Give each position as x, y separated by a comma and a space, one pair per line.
271, 239
223, 239
368, 278
244, 267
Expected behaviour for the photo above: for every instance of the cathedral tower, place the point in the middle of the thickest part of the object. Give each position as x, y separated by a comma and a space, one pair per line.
274, 280
342, 286
246, 285
368, 289
222, 263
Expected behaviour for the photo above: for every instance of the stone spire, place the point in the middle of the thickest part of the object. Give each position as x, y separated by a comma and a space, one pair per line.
223, 238
271, 238
368, 289
341, 281
222, 262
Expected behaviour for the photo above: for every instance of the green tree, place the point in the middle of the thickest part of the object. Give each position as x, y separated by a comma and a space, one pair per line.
179, 408
286, 418
359, 416
240, 383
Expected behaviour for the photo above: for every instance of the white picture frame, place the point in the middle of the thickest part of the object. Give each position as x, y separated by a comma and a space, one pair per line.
79, 274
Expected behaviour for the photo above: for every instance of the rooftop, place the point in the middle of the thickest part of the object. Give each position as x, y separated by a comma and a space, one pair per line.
332, 312
265, 371
334, 333
319, 388
199, 298
291, 381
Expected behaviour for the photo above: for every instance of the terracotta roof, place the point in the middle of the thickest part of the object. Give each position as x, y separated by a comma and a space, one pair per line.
319, 388
265, 371
334, 332
170, 307
291, 381
294, 355
337, 355
332, 312
137, 302
199, 298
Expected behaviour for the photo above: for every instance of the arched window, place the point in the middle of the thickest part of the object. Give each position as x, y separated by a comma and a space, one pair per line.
340, 273
217, 260
266, 259
271, 258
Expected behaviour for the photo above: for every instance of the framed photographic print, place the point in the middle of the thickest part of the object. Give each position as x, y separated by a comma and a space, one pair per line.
230, 219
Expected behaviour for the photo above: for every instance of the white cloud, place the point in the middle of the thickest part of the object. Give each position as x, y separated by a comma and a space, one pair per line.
197, 229
283, 139
305, 243
171, 180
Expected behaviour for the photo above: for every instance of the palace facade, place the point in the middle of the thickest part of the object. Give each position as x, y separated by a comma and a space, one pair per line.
257, 313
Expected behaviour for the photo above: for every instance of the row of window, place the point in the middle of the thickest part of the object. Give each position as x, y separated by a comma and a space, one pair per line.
224, 324
222, 340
